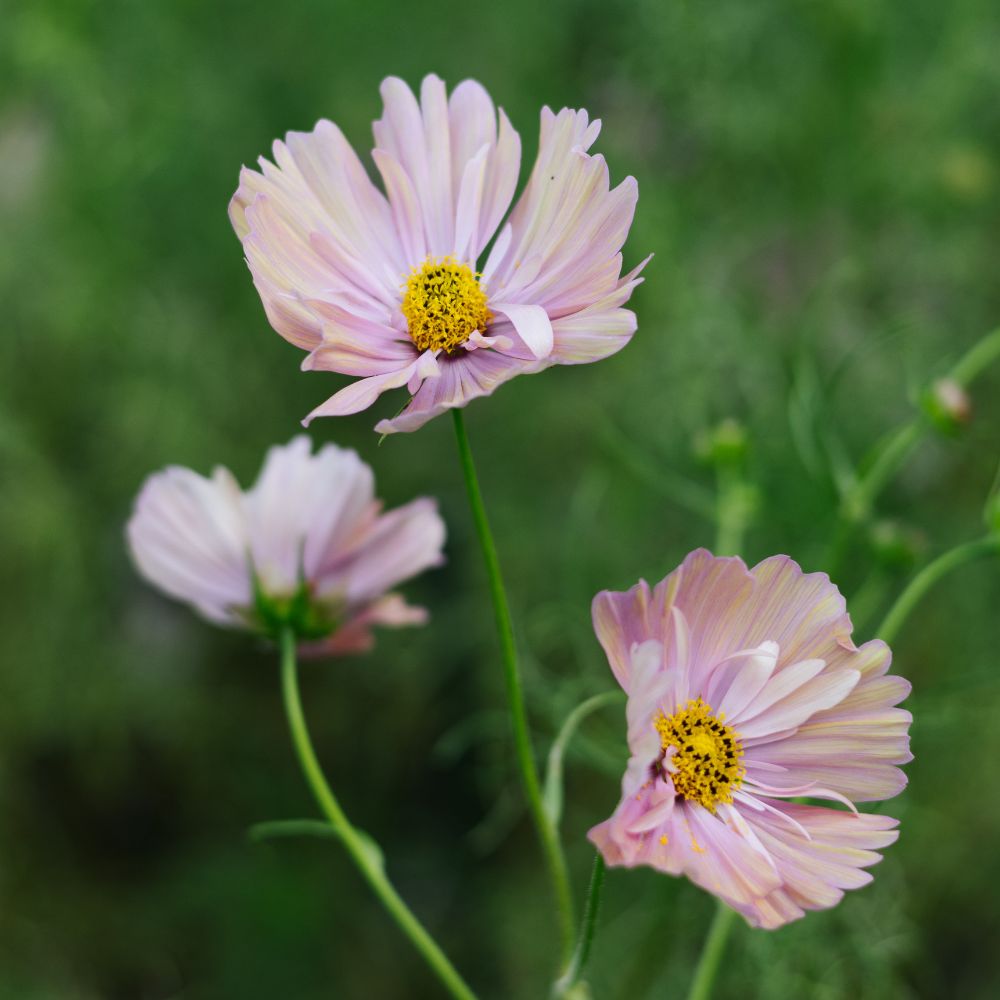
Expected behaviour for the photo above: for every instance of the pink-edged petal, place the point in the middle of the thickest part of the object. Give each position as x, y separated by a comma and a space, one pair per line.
818, 867
622, 620
470, 201
361, 394
188, 537
463, 377
725, 863
790, 678
739, 679
830, 688
406, 209
303, 506
399, 545
568, 223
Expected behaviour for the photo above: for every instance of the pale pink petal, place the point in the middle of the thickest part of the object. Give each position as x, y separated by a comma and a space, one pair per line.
532, 325
188, 537
816, 869
830, 688
446, 155
568, 222
304, 507
470, 202
406, 208
739, 679
399, 545
473, 128
356, 635
361, 394
463, 377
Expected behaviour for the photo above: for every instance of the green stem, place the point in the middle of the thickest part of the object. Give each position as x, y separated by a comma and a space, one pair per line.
857, 505
858, 502
362, 850
522, 741
711, 953
928, 576
582, 950
977, 359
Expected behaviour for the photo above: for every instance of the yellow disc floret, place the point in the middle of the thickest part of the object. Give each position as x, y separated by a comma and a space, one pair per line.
705, 766
444, 304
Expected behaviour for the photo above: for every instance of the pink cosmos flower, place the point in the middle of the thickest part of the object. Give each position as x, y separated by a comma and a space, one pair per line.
306, 546
387, 287
744, 691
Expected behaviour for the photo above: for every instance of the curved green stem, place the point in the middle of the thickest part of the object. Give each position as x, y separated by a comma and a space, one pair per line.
711, 953
363, 851
553, 794
522, 741
858, 501
586, 938
928, 576
977, 359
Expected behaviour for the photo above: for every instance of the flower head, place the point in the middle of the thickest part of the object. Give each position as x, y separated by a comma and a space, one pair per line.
388, 287
744, 692
307, 546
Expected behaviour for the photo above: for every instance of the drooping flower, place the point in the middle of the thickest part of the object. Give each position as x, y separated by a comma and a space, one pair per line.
306, 546
745, 691
388, 287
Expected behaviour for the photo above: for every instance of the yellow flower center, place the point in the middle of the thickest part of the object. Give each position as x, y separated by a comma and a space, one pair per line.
444, 304
707, 757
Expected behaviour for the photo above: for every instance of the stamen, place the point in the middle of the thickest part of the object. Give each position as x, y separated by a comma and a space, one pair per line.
444, 304
705, 766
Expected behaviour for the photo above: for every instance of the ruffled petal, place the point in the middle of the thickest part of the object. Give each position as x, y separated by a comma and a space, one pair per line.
305, 510
462, 378
818, 865
446, 158
568, 224
188, 537
361, 394
399, 545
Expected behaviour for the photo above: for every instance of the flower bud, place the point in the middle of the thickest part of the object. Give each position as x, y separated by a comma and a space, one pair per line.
947, 405
724, 444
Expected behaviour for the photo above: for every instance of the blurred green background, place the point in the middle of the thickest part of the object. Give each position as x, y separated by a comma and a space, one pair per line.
820, 183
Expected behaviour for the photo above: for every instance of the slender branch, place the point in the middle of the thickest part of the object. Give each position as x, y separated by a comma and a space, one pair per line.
711, 953
858, 501
586, 938
553, 794
551, 847
976, 359
363, 851
928, 576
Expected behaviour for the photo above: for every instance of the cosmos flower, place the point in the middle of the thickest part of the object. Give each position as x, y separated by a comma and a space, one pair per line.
306, 546
744, 692
388, 287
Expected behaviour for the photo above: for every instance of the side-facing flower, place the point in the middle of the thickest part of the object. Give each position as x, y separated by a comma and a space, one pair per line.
388, 288
307, 546
745, 691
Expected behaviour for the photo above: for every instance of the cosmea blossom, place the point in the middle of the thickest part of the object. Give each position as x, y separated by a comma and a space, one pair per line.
306, 546
387, 287
745, 691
